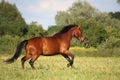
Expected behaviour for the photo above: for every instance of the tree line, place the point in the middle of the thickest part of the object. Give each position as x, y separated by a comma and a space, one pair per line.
99, 28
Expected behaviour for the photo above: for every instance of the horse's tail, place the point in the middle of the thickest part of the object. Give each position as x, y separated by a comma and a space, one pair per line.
18, 51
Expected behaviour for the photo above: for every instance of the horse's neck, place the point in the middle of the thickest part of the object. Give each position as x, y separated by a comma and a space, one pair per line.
67, 36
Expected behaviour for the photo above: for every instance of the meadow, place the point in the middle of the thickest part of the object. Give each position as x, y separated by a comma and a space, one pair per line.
54, 68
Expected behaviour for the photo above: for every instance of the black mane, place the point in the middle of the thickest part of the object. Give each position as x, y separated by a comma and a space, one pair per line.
65, 29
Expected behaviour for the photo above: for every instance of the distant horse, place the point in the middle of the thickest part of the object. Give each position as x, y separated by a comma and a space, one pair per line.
48, 46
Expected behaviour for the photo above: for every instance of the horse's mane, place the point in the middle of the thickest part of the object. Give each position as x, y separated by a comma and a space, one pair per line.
65, 29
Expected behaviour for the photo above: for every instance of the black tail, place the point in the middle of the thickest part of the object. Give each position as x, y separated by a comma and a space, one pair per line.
18, 51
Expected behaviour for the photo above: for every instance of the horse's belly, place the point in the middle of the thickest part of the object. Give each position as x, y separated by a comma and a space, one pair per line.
50, 48
50, 51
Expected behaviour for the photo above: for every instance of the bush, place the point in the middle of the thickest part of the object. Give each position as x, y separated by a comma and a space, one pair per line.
111, 42
8, 44
110, 48
107, 52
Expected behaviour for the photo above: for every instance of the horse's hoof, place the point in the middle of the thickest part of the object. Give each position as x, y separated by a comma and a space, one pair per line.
68, 65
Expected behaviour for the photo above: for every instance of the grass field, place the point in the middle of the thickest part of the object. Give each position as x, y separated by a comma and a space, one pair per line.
54, 68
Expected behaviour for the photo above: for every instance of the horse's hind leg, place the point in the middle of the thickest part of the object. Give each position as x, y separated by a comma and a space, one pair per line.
34, 58
26, 57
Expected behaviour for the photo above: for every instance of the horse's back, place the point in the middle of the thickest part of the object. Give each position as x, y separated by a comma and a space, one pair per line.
43, 45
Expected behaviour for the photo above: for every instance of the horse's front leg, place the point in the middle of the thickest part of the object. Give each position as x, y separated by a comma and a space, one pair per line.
66, 54
67, 58
72, 57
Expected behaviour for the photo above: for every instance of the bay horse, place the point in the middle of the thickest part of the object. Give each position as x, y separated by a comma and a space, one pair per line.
59, 43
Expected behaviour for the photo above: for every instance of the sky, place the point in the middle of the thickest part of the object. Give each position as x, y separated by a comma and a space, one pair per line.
44, 11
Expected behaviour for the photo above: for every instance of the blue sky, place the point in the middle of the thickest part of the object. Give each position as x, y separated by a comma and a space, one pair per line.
44, 11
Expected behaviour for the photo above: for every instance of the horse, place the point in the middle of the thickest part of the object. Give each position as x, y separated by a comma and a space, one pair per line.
59, 43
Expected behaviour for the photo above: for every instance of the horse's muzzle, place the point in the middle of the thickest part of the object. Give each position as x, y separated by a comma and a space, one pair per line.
82, 39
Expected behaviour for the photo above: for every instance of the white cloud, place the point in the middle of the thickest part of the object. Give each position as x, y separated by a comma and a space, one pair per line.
50, 5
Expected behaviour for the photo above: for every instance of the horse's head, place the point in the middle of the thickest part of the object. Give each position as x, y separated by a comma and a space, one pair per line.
78, 33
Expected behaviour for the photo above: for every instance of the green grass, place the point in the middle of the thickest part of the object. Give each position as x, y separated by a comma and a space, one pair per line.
54, 68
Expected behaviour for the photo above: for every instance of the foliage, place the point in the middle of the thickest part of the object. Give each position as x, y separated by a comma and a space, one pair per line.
118, 1
11, 21
35, 30
79, 11
62, 18
8, 43
53, 30
115, 15
94, 32
110, 43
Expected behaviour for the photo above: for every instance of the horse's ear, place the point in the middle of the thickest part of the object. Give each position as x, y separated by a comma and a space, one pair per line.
78, 27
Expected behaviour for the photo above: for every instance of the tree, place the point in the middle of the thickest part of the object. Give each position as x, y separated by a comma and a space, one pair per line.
62, 18
118, 1
11, 21
35, 30
95, 32
80, 10
115, 15
53, 30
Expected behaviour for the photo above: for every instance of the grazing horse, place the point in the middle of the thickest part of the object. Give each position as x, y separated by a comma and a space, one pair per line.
48, 46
